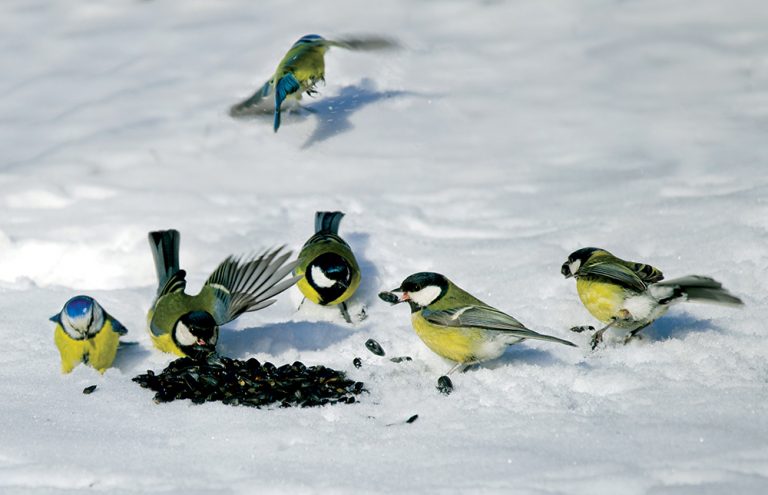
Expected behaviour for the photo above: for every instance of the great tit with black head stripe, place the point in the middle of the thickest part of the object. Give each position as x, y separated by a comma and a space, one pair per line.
456, 325
629, 295
189, 325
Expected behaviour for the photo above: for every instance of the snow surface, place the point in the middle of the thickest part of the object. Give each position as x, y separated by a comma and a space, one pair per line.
503, 136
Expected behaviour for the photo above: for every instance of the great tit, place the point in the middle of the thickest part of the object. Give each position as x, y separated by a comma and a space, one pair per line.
628, 295
85, 333
299, 72
455, 324
189, 325
330, 270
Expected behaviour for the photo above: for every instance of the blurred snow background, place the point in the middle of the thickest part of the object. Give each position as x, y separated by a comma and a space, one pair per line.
501, 138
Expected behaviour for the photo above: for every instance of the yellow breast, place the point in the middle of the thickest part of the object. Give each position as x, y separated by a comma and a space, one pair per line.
98, 351
602, 300
166, 344
463, 345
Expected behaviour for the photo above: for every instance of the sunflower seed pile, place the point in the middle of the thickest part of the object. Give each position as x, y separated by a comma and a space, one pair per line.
250, 383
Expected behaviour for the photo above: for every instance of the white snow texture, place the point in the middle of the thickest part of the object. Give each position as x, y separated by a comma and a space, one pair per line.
501, 137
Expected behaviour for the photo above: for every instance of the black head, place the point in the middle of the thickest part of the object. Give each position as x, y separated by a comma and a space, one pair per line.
576, 260
196, 333
422, 289
330, 275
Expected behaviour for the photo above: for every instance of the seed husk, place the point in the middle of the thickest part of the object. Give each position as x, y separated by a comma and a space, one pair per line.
89, 389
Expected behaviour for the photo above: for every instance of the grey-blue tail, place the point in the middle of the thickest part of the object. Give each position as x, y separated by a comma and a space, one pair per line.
328, 222
165, 251
698, 288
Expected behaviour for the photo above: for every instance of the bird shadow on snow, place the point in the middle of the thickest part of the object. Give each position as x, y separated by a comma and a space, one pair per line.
369, 275
280, 337
130, 357
676, 327
333, 113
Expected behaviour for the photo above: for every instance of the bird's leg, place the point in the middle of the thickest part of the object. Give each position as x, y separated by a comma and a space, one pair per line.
583, 328
598, 336
345, 312
303, 300
634, 333
458, 365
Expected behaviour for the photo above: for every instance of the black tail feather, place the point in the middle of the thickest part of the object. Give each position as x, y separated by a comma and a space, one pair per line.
701, 289
165, 251
328, 222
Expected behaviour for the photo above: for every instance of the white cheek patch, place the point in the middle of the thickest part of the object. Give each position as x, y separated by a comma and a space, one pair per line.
320, 279
425, 296
183, 335
574, 266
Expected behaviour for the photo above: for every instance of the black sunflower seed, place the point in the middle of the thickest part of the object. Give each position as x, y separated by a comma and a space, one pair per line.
389, 297
357, 362
89, 389
444, 385
250, 383
374, 347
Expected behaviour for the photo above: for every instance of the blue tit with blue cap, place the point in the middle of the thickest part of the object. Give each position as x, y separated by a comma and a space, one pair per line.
85, 333
299, 72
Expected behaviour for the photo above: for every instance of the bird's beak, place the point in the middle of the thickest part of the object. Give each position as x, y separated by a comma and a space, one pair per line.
56, 318
402, 296
566, 270
201, 342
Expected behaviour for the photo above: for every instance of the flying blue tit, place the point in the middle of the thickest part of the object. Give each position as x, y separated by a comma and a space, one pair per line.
456, 325
300, 70
189, 325
630, 296
85, 333
330, 270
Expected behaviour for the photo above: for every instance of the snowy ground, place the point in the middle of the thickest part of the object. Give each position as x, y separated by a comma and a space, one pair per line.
501, 138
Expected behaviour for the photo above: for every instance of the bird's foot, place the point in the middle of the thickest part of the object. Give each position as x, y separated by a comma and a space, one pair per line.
597, 339
583, 328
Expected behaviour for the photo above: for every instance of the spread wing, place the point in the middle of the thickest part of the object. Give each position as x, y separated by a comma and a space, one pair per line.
614, 272
242, 285
487, 318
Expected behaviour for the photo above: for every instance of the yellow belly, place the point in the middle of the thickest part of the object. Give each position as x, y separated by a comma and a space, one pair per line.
463, 345
98, 351
602, 300
166, 344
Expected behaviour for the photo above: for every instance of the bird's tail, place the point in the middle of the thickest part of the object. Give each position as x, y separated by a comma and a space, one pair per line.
253, 105
697, 288
327, 222
365, 43
165, 251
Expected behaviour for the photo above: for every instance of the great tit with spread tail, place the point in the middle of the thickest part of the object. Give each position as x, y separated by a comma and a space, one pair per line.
299, 72
330, 270
456, 325
630, 296
85, 333
189, 325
